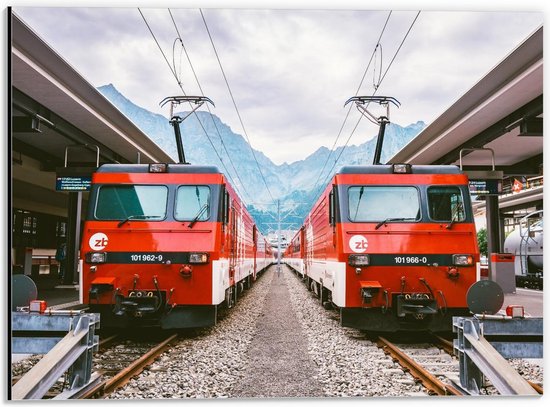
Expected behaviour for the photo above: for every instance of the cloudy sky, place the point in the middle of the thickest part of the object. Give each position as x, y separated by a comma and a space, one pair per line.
290, 70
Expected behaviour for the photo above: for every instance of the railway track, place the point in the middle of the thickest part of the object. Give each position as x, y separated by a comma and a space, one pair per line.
430, 367
429, 359
120, 362
422, 363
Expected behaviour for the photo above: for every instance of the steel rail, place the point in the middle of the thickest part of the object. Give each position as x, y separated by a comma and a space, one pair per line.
108, 340
135, 368
535, 386
432, 383
444, 344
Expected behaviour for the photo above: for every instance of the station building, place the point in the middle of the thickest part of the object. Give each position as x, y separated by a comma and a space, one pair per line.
62, 129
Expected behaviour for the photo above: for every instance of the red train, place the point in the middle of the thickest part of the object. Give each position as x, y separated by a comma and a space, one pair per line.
394, 247
166, 245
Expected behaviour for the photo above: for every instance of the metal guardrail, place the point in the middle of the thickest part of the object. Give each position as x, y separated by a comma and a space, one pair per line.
485, 342
72, 352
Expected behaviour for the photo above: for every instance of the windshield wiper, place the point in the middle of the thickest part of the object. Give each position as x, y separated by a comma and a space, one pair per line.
198, 215
455, 216
358, 202
391, 220
122, 222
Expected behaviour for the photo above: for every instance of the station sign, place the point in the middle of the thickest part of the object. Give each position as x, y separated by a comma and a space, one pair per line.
74, 179
485, 182
73, 184
485, 187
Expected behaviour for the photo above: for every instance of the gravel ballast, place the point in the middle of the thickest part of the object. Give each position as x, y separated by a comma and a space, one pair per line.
279, 364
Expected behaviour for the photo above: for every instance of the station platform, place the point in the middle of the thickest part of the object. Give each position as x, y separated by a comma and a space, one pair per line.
52, 290
532, 301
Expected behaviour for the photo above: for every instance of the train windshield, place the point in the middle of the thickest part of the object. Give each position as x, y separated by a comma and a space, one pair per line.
192, 203
141, 202
445, 204
377, 203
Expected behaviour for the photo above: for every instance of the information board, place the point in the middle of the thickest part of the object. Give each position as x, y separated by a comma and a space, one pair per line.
486, 187
73, 183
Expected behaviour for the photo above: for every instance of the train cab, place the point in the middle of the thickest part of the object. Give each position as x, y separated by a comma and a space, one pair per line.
393, 247
164, 244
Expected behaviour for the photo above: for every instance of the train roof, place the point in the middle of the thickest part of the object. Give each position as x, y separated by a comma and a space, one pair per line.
172, 168
387, 169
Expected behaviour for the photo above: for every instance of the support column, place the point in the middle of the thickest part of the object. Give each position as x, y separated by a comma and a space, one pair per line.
73, 237
493, 228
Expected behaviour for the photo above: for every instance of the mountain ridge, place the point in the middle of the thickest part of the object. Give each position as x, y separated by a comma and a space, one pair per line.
288, 182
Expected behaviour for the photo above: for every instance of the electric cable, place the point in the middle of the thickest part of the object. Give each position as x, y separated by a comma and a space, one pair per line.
235, 105
360, 117
207, 106
181, 87
356, 93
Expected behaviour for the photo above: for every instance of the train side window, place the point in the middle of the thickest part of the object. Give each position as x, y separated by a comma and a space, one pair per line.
445, 204
226, 204
331, 208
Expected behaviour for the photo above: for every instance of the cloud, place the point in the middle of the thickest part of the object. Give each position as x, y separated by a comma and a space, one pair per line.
290, 71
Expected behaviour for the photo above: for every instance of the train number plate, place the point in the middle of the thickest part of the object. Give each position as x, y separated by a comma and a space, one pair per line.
147, 257
142, 293
410, 259
423, 260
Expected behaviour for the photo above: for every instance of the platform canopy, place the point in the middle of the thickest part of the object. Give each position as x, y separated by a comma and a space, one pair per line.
502, 111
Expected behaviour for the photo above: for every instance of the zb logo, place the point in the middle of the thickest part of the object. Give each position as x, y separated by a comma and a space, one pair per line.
98, 241
358, 244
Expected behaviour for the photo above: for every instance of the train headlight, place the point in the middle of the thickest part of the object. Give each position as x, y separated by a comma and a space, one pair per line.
401, 168
358, 260
96, 257
198, 258
158, 167
463, 260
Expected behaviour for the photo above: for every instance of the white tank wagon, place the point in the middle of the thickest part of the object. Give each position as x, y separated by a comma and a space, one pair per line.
526, 243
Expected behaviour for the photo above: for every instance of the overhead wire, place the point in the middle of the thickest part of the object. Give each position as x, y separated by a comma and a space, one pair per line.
376, 89
181, 87
235, 105
376, 84
350, 107
174, 58
207, 106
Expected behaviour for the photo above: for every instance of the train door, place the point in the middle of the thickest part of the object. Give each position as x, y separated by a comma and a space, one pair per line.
225, 222
254, 251
232, 242
300, 256
332, 198
308, 248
